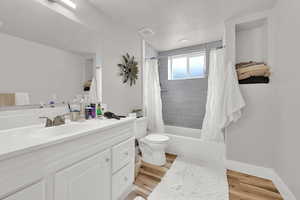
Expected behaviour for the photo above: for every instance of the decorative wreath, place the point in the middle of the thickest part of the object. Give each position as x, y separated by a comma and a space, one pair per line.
129, 69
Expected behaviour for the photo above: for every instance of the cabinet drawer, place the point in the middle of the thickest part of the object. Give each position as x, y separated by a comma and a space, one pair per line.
122, 154
122, 181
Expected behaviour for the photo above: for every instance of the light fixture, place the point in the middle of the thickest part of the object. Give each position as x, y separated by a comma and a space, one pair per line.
146, 32
183, 40
68, 3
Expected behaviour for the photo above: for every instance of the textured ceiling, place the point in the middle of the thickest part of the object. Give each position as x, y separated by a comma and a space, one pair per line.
198, 21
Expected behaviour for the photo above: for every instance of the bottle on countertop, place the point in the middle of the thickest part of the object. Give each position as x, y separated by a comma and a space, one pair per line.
53, 101
99, 110
104, 108
93, 110
88, 111
82, 109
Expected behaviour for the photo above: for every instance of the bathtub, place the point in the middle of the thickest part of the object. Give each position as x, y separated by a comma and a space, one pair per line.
188, 143
182, 131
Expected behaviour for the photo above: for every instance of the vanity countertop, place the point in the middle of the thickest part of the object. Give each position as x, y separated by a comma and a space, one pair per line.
22, 140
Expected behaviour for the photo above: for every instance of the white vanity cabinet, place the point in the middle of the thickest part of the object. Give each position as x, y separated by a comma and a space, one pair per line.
93, 165
122, 168
35, 191
122, 180
89, 179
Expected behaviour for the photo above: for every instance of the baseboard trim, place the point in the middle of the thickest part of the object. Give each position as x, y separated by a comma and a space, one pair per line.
282, 187
253, 170
262, 172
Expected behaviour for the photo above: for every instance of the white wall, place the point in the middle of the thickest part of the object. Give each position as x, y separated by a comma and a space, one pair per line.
121, 98
39, 70
88, 69
252, 139
267, 135
252, 44
288, 41
114, 40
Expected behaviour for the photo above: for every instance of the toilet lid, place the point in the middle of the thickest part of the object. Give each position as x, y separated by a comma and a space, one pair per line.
157, 138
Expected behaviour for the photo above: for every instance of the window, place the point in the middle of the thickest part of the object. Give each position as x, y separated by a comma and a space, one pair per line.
187, 66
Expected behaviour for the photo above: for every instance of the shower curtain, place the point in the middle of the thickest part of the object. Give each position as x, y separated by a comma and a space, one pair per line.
224, 99
152, 97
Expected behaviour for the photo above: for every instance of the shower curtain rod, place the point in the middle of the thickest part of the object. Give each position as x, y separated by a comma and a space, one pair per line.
221, 47
153, 58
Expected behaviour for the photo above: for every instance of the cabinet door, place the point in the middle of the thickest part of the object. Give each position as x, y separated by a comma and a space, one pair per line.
122, 181
89, 179
34, 192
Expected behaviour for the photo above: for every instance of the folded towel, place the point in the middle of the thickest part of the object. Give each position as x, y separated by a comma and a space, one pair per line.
22, 99
88, 83
258, 72
7, 100
139, 198
248, 64
252, 68
255, 80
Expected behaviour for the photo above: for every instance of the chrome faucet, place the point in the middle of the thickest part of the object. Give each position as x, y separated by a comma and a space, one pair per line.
49, 122
57, 121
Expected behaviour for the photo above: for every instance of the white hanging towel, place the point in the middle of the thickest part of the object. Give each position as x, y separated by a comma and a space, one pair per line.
224, 99
234, 101
22, 99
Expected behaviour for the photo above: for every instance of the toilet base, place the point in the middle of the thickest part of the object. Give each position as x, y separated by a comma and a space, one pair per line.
155, 158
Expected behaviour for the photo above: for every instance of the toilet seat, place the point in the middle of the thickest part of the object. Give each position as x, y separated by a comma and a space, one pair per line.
157, 138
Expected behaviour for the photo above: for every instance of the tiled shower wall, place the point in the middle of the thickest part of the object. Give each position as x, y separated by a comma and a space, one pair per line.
184, 101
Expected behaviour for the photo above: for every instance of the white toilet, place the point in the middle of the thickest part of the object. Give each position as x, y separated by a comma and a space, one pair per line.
153, 149
153, 145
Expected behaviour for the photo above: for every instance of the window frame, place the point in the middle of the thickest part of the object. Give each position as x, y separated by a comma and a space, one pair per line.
187, 56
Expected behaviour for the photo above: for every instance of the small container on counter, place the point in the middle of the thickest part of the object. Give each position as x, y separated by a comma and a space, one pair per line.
75, 116
93, 110
88, 111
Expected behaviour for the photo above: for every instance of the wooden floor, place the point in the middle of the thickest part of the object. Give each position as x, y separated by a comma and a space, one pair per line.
241, 186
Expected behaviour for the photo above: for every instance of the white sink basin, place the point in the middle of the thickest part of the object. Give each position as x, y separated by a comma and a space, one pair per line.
56, 130
69, 128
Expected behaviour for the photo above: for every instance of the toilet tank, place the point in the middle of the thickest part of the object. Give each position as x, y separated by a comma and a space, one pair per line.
140, 128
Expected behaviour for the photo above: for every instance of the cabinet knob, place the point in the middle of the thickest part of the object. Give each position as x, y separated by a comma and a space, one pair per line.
126, 153
107, 160
125, 179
